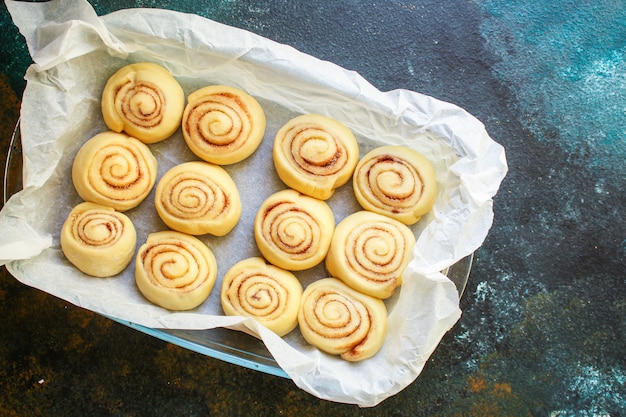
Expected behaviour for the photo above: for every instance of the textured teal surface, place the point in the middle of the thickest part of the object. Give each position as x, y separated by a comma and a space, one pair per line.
565, 62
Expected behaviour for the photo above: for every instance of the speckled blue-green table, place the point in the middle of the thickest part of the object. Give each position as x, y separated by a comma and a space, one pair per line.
544, 313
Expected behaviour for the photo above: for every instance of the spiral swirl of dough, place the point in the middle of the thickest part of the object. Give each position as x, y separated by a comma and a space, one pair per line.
252, 288
98, 240
223, 125
293, 231
370, 252
315, 155
341, 321
175, 270
395, 181
144, 100
198, 198
114, 170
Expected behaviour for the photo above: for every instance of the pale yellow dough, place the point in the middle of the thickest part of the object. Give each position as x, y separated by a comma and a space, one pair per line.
293, 231
341, 321
271, 295
115, 170
175, 270
98, 240
369, 252
315, 154
222, 124
198, 198
396, 181
143, 100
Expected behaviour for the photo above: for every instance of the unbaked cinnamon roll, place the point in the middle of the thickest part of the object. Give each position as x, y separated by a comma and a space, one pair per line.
341, 321
223, 124
175, 270
271, 295
395, 181
144, 100
315, 155
293, 231
370, 252
198, 198
115, 170
98, 240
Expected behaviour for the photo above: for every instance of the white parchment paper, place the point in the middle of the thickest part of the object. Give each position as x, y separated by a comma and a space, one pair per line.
74, 53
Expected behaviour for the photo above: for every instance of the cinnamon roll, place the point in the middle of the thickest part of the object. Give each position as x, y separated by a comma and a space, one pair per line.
175, 270
271, 295
198, 198
98, 240
114, 170
395, 181
143, 100
341, 321
369, 252
223, 124
315, 155
293, 231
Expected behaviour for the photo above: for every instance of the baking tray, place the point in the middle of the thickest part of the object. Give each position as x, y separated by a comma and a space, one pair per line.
227, 345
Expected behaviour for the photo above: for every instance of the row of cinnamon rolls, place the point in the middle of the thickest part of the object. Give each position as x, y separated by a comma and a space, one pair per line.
366, 253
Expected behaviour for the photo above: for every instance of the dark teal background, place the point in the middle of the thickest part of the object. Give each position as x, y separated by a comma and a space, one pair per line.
542, 331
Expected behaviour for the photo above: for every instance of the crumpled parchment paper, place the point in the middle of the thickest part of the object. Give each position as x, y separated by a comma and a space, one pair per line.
74, 53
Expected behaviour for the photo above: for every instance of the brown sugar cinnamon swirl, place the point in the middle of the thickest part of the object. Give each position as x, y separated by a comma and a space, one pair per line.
98, 240
175, 270
143, 100
114, 170
369, 252
315, 155
253, 288
223, 125
341, 321
395, 181
293, 231
198, 198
